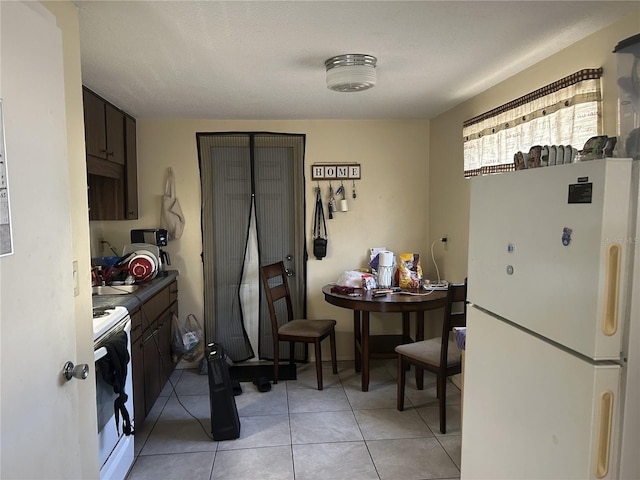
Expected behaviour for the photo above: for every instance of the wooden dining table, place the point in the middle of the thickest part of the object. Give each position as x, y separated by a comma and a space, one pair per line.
362, 302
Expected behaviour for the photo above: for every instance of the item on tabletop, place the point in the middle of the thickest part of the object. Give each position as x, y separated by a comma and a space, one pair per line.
410, 270
385, 269
519, 161
368, 281
342, 290
350, 278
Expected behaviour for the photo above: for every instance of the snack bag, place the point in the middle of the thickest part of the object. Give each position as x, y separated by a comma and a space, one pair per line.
410, 271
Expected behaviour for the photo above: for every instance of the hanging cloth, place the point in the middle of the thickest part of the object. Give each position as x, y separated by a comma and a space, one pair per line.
172, 218
319, 241
114, 371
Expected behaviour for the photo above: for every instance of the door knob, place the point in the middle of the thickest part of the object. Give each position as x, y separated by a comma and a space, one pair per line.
78, 371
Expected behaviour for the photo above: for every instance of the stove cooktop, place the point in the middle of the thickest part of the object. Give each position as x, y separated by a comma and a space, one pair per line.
105, 318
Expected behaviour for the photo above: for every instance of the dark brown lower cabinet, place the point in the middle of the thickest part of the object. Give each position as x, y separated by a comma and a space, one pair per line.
137, 367
151, 358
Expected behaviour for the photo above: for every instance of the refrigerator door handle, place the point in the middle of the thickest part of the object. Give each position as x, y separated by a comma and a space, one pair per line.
604, 434
612, 289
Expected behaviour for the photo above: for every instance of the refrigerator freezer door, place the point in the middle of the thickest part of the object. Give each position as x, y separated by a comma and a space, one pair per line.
534, 411
549, 247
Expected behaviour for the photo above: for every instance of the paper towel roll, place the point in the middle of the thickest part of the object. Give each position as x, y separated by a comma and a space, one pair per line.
385, 259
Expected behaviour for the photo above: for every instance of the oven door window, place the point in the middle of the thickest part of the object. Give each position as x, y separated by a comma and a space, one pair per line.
108, 434
105, 398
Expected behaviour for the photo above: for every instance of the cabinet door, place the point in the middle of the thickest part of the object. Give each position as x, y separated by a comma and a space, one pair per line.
137, 372
152, 385
115, 134
164, 343
131, 169
94, 125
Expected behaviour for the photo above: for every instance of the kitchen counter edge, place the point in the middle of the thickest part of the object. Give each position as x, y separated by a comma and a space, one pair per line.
137, 298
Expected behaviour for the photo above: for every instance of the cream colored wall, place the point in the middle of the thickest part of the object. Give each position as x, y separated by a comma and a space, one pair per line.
390, 209
449, 191
412, 177
67, 20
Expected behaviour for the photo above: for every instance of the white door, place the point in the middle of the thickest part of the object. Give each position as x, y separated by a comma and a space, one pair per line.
534, 411
39, 409
542, 251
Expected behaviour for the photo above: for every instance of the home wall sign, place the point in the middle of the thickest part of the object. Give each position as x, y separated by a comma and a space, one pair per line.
335, 171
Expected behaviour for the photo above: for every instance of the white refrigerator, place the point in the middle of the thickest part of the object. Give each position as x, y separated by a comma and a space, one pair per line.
552, 368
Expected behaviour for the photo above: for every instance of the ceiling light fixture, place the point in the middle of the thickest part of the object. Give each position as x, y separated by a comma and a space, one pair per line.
353, 72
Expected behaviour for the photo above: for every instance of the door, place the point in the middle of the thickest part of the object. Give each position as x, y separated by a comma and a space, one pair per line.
532, 410
253, 214
42, 435
548, 247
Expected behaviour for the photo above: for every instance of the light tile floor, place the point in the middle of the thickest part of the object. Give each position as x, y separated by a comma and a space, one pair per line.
296, 432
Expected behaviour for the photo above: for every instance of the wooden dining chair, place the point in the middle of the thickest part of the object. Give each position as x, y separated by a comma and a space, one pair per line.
439, 355
288, 329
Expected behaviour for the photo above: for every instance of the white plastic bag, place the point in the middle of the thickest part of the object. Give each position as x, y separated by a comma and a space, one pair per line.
350, 278
188, 339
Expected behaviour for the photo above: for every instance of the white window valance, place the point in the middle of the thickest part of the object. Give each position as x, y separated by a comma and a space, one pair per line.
566, 112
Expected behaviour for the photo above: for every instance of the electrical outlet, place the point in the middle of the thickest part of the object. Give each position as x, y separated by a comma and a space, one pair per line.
445, 241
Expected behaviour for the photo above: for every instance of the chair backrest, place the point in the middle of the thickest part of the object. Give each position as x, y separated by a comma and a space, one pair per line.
276, 288
455, 315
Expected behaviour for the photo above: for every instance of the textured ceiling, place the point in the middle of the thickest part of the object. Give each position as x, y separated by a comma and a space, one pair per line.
265, 59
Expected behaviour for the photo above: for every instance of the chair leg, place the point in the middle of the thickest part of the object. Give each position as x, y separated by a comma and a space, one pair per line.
318, 354
419, 378
442, 387
276, 359
401, 382
334, 361
292, 353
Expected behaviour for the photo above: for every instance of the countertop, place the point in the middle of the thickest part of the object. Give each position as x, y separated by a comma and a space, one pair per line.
132, 300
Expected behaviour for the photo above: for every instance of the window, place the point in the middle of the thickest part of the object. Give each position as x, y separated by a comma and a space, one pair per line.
566, 112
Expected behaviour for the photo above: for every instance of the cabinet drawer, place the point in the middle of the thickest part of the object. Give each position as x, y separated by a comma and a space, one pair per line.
154, 307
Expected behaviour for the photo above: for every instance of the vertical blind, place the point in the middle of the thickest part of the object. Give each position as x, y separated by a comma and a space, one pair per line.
566, 112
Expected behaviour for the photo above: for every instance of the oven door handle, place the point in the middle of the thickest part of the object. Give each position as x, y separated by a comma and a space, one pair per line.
102, 351
99, 353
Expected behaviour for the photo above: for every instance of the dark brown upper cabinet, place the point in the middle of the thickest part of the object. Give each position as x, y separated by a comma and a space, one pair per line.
110, 140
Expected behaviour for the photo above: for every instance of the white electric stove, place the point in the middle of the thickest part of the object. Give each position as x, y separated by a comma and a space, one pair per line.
115, 448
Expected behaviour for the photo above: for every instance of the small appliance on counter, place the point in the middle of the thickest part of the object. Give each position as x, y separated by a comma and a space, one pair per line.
144, 261
153, 236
